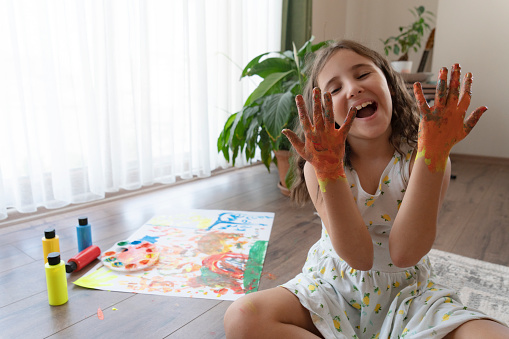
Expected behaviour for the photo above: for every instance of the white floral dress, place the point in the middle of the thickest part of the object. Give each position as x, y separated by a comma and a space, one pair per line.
386, 301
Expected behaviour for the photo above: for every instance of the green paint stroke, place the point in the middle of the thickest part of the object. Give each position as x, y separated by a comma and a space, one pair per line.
254, 266
99, 278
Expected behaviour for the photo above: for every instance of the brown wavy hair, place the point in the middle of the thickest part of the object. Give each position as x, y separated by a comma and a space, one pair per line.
405, 116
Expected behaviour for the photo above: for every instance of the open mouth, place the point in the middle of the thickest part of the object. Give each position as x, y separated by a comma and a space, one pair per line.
366, 109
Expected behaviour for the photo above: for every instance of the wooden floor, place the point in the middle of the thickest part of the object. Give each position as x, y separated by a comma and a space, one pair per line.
474, 222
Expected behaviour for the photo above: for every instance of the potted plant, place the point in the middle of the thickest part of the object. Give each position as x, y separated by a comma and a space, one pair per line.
409, 38
268, 109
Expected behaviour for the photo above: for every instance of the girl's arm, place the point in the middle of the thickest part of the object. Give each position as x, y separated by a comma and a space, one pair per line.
324, 149
342, 219
414, 229
440, 128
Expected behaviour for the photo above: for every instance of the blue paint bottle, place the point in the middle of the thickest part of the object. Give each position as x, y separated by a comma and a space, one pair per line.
84, 232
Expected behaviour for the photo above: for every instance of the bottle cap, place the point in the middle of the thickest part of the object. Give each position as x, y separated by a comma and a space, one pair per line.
54, 258
83, 221
70, 266
49, 233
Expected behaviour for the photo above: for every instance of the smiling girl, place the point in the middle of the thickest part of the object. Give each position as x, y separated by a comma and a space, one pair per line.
377, 175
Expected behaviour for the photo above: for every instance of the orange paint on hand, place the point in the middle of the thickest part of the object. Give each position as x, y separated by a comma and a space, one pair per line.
443, 125
324, 145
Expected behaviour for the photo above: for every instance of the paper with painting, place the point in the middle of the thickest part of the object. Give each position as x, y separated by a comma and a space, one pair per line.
196, 253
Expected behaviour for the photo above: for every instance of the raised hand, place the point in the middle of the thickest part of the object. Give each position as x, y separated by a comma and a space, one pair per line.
443, 125
324, 145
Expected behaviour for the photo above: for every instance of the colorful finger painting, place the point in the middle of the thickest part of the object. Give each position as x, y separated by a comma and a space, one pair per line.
196, 253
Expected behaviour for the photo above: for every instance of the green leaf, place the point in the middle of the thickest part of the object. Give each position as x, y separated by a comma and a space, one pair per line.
319, 45
248, 112
222, 141
290, 175
266, 85
237, 137
276, 111
270, 66
294, 87
266, 149
251, 63
396, 49
252, 131
287, 54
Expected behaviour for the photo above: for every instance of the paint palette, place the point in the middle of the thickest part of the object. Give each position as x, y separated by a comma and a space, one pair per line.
129, 256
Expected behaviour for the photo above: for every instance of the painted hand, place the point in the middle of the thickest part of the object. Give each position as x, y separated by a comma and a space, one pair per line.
443, 125
324, 145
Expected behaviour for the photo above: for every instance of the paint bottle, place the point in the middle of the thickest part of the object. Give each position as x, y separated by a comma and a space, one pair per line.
84, 232
50, 243
56, 280
82, 259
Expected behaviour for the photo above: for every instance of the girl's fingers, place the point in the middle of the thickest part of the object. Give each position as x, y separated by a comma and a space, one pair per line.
298, 144
466, 93
303, 114
329, 112
317, 109
349, 120
441, 93
454, 86
473, 119
421, 101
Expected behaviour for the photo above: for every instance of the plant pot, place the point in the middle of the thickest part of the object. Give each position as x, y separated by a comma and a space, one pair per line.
402, 66
283, 164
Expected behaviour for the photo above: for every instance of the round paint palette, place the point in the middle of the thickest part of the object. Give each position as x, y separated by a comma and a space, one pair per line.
129, 256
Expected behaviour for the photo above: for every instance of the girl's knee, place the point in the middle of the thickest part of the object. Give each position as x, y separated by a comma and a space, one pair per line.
242, 318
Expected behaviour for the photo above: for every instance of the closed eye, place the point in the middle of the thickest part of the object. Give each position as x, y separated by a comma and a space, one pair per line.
335, 90
363, 75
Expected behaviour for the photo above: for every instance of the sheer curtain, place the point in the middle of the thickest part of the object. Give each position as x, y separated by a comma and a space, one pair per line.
99, 95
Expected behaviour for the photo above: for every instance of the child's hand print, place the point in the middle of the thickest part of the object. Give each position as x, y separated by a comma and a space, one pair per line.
443, 125
324, 145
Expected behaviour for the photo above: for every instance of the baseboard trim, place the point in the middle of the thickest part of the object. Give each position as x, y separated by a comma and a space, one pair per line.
480, 159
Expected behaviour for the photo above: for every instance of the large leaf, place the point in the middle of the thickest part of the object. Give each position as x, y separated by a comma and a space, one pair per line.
224, 136
266, 149
252, 135
223, 142
252, 130
251, 63
276, 111
237, 139
270, 66
266, 85
249, 112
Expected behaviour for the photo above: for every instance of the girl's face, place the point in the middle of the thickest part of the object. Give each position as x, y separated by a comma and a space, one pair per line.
354, 80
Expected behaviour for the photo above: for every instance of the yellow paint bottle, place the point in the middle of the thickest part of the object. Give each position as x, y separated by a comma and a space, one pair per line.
56, 280
50, 243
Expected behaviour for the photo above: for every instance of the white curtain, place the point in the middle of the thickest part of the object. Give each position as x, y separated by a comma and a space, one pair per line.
99, 95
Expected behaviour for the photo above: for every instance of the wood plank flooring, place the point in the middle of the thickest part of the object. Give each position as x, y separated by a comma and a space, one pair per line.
474, 222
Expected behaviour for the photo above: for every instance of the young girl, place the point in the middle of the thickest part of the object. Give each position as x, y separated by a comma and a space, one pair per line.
377, 183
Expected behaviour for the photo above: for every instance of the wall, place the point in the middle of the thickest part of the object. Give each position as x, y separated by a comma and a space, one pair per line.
466, 33
367, 21
476, 37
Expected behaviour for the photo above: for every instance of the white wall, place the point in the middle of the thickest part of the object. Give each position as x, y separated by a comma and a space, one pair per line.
367, 21
475, 36
467, 32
